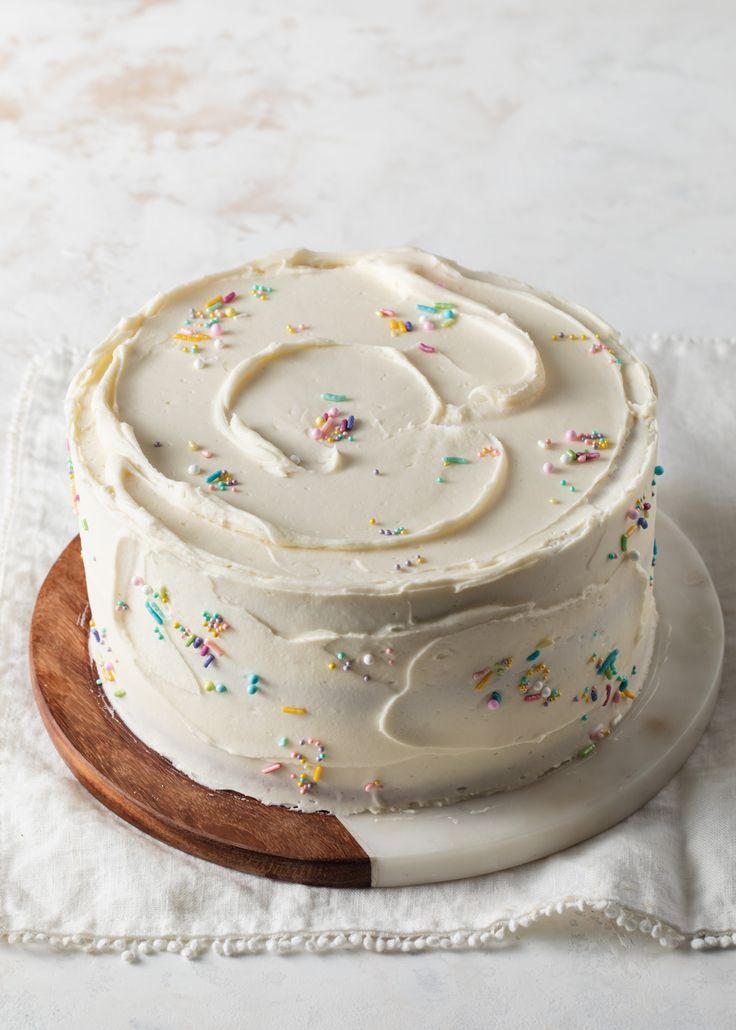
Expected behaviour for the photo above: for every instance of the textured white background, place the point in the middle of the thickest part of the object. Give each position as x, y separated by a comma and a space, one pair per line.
587, 147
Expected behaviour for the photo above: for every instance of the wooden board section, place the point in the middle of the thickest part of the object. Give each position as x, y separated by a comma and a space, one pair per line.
142, 786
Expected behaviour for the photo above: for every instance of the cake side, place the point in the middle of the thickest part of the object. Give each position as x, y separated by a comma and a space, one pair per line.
502, 632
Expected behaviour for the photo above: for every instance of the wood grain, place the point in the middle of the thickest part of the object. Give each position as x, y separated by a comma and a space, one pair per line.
143, 787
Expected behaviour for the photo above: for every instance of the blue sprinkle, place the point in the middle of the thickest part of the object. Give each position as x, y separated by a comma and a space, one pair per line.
253, 679
658, 470
252, 689
155, 611
533, 655
214, 476
220, 688
608, 662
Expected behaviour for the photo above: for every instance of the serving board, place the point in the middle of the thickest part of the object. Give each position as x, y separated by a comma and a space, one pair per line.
475, 836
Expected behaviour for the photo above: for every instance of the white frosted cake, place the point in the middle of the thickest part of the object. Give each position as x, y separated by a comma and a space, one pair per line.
366, 530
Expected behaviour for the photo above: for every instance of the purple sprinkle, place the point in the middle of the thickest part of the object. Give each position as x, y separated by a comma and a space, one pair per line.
209, 660
198, 641
351, 421
96, 635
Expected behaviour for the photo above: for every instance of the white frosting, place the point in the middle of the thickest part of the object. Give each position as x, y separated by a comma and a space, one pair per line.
303, 558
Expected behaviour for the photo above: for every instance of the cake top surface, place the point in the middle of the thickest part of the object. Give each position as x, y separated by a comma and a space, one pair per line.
366, 421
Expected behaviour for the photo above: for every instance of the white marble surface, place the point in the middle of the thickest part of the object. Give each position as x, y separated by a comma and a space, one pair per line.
586, 147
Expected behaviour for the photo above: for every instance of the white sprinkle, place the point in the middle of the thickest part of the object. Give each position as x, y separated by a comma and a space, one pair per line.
194, 470
198, 363
368, 659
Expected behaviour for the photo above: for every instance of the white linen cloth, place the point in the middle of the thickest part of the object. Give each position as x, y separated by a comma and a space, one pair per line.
74, 875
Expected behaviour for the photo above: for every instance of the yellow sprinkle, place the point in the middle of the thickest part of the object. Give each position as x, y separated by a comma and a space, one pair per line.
193, 446
288, 710
209, 685
332, 665
317, 774
553, 500
191, 337
290, 328
177, 625
555, 337
215, 300
547, 642
483, 680
371, 522
627, 693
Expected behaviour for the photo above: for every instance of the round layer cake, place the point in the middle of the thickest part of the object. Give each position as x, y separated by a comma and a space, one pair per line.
366, 530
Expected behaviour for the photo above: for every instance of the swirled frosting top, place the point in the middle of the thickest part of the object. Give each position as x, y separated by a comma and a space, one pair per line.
368, 421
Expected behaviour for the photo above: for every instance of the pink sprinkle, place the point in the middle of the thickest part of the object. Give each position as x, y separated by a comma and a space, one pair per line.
593, 456
214, 648
571, 435
228, 297
327, 426
427, 324
387, 312
582, 457
493, 703
532, 697
271, 768
216, 329
138, 580
632, 513
315, 433
426, 347
481, 672
186, 332
548, 467
207, 454
333, 412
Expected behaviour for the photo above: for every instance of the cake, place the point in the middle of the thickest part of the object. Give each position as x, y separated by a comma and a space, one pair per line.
366, 530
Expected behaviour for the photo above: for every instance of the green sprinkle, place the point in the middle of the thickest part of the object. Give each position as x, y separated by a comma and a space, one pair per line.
611, 556
155, 611
451, 460
284, 742
340, 655
439, 479
84, 524
119, 693
624, 542
333, 396
583, 718
586, 751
